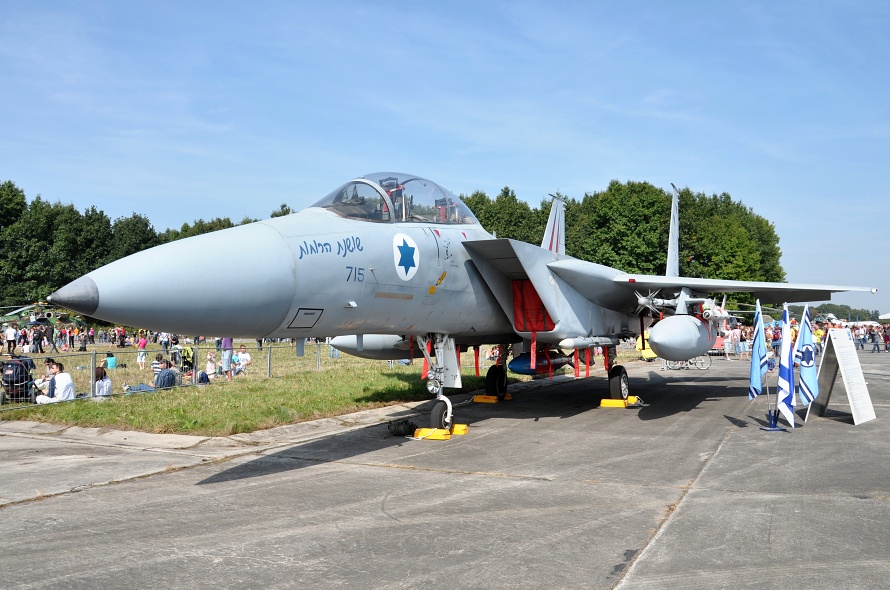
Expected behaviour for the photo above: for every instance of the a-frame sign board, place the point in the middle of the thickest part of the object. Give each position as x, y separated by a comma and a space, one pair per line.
840, 354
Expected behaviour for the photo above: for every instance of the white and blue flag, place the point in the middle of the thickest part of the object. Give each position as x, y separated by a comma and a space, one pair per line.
805, 356
758, 355
785, 401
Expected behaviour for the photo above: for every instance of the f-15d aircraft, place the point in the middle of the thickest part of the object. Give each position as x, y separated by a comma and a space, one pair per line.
397, 265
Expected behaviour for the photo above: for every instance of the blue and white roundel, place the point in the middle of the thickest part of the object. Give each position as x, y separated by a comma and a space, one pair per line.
406, 255
808, 355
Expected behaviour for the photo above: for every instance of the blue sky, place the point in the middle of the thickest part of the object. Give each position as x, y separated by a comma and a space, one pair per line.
187, 110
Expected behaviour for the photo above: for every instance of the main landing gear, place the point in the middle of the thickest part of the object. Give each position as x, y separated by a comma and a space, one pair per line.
619, 385
496, 381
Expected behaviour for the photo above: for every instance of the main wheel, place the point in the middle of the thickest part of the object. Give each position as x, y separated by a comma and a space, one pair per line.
619, 384
437, 416
674, 365
496, 381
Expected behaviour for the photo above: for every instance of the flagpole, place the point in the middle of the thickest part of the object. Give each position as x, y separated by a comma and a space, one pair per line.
760, 372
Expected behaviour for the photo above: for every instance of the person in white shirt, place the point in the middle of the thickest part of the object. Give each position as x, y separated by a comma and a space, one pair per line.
61, 386
243, 360
11, 336
103, 383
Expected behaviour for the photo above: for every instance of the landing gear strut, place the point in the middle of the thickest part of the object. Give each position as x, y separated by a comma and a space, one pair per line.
444, 372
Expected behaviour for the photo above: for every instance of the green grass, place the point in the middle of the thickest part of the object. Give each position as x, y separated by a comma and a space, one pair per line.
299, 389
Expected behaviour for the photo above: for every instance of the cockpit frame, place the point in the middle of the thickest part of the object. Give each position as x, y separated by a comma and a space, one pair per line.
397, 198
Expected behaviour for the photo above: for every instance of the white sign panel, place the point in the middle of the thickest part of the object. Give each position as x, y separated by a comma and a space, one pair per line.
840, 354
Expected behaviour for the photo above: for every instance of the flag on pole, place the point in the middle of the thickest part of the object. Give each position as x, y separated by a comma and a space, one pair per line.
758, 355
805, 356
785, 401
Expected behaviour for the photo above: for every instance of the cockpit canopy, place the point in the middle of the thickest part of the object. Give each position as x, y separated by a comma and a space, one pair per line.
389, 197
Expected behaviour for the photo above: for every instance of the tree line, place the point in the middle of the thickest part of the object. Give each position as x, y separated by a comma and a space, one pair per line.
45, 245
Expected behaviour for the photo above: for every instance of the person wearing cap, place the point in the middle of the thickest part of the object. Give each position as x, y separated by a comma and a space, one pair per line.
42, 383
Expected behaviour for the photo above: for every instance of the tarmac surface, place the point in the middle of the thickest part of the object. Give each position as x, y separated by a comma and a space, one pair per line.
546, 490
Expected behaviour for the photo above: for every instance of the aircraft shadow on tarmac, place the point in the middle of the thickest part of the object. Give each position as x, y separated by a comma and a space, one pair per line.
530, 405
328, 449
664, 396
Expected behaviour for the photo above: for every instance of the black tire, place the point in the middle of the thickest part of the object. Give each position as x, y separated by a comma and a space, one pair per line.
437, 416
619, 384
496, 381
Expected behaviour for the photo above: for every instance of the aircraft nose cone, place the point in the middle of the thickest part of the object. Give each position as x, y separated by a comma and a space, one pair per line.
81, 296
237, 282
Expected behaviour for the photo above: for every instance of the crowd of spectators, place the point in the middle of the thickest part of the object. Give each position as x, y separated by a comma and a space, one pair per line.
57, 385
738, 341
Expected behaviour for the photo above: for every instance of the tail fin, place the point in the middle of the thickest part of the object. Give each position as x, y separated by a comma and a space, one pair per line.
673, 258
555, 235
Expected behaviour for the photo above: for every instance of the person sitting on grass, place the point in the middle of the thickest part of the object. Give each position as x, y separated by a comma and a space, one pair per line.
243, 361
110, 361
210, 368
61, 386
165, 379
103, 383
42, 383
156, 365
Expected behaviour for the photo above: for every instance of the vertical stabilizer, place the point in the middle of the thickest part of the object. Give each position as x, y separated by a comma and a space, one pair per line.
555, 235
673, 259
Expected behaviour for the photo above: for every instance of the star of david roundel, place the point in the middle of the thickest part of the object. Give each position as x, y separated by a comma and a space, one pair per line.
807, 355
406, 256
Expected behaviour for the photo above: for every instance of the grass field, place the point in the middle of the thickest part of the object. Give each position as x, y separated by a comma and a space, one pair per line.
287, 390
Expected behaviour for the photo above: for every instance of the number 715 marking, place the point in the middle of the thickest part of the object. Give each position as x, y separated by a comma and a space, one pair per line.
356, 274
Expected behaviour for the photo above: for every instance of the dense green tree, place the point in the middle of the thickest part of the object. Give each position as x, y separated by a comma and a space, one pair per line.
701, 216
195, 229
93, 240
624, 227
130, 235
480, 205
24, 244
506, 216
12, 204
49, 245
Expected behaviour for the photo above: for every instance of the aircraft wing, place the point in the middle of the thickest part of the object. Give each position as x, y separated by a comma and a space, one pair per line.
587, 277
771, 292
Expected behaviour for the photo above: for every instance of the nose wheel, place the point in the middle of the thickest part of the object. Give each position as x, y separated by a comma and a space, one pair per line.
442, 416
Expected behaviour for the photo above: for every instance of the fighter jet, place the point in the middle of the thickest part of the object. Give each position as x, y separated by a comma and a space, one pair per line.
397, 266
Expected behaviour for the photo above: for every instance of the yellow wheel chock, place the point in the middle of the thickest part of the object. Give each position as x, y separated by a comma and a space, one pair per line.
632, 401
490, 399
441, 433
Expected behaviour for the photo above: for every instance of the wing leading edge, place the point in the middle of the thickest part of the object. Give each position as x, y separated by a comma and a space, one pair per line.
586, 278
